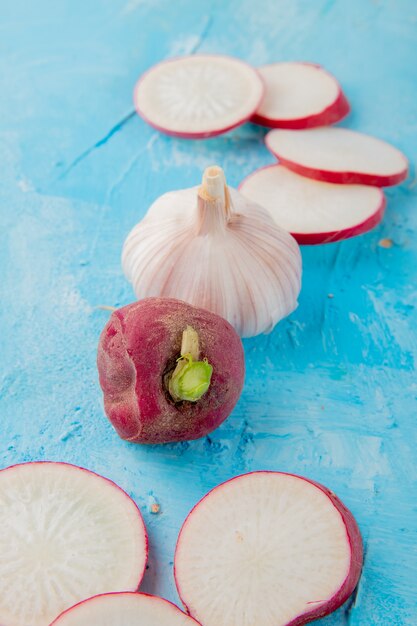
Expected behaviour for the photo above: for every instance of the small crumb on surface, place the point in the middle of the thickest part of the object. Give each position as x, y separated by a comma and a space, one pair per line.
330, 295
385, 243
153, 505
106, 307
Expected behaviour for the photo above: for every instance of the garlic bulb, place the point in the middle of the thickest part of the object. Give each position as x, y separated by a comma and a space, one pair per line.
215, 249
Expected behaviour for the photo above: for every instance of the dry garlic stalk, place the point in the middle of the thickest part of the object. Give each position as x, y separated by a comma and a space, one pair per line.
215, 249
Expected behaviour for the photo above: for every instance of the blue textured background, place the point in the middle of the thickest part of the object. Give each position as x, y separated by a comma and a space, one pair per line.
331, 393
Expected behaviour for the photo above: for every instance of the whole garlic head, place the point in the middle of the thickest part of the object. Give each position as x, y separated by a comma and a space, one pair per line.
215, 249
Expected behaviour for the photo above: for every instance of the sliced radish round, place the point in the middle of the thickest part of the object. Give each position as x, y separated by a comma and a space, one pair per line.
313, 211
124, 609
299, 95
198, 96
338, 155
267, 548
66, 534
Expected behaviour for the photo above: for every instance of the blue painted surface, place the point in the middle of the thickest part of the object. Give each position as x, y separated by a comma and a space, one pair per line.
331, 393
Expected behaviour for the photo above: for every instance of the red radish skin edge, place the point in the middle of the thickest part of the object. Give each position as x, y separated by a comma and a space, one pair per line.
111, 482
335, 112
206, 134
355, 542
340, 235
344, 178
309, 239
118, 594
341, 178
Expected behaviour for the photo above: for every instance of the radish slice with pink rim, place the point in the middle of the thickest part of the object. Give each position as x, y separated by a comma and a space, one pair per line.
198, 96
313, 211
299, 95
267, 548
67, 534
124, 609
339, 155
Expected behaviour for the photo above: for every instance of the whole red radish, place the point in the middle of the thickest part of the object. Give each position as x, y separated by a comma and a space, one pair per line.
169, 371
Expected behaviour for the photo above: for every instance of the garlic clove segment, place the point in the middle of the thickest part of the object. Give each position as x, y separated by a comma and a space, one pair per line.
212, 247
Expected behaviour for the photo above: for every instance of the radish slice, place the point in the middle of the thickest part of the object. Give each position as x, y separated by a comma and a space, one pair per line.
267, 549
300, 95
124, 609
66, 534
339, 155
313, 211
198, 96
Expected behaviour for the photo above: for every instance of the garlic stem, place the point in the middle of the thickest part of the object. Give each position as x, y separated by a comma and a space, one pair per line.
213, 201
191, 378
214, 183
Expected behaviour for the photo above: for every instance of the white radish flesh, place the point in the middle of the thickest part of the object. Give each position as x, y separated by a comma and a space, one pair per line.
267, 548
338, 155
299, 95
124, 609
66, 534
198, 96
313, 211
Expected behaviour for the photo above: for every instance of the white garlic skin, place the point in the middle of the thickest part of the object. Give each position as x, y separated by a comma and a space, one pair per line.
233, 261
